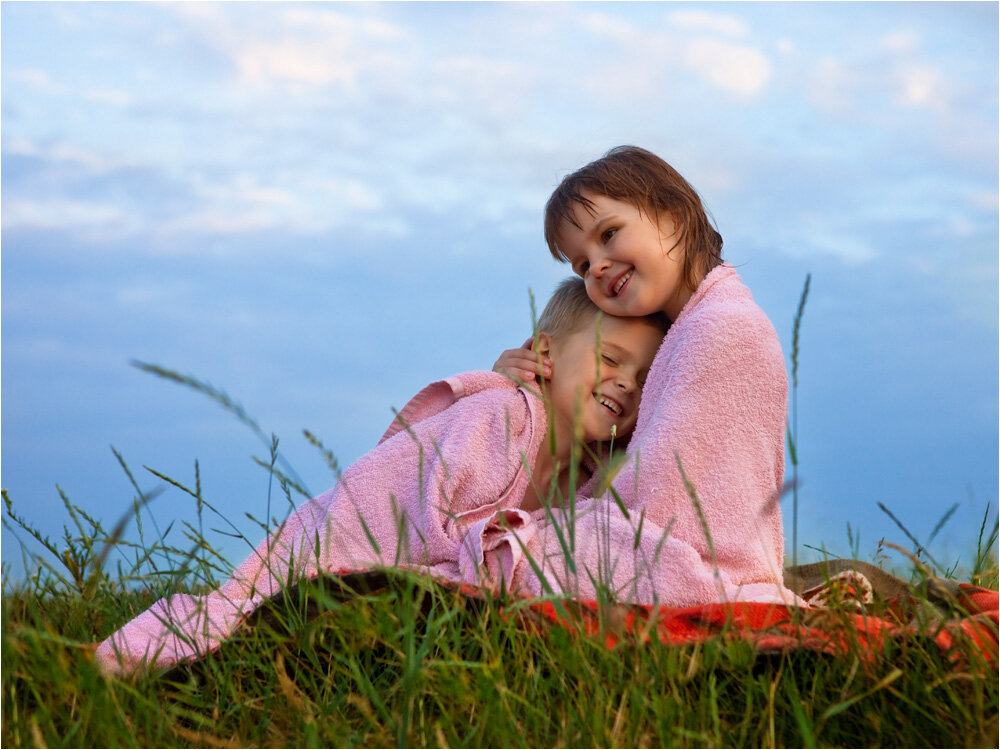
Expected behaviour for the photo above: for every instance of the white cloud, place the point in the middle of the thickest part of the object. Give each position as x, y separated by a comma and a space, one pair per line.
612, 27
341, 26
299, 48
960, 226
648, 57
833, 85
265, 63
94, 162
244, 190
736, 69
218, 220
896, 72
486, 86
31, 76
147, 292
852, 251
296, 200
903, 41
62, 213
54, 351
300, 203
921, 85
112, 97
786, 47
718, 23
985, 200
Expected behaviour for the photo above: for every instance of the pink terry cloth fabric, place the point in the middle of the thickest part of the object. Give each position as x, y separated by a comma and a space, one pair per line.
714, 404
439, 492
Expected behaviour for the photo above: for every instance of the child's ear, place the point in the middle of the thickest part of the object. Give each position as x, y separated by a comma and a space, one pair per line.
543, 345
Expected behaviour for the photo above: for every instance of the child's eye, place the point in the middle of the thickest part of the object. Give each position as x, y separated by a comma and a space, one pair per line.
582, 267
609, 360
607, 234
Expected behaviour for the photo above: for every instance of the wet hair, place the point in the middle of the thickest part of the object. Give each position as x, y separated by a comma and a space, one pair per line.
569, 309
640, 177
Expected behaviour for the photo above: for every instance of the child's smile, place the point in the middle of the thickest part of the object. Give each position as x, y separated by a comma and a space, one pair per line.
598, 388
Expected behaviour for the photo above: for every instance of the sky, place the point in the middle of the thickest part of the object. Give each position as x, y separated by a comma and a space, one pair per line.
319, 208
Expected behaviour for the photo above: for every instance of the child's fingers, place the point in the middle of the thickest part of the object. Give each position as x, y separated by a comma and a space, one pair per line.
522, 364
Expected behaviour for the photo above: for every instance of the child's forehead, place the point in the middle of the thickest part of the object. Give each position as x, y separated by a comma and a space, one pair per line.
583, 207
611, 327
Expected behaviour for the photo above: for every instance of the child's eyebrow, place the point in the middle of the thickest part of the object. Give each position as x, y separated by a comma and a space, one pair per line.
600, 222
616, 348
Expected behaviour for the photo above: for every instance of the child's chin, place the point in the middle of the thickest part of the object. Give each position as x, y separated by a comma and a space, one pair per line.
608, 437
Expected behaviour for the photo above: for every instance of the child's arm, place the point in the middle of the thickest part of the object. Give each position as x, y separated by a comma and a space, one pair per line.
523, 364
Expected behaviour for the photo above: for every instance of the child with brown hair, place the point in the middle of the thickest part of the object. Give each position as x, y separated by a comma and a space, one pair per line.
701, 493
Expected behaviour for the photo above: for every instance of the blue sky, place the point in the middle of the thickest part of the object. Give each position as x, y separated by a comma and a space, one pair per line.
319, 208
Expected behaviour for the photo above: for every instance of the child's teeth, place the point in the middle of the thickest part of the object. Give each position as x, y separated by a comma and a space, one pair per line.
621, 283
611, 405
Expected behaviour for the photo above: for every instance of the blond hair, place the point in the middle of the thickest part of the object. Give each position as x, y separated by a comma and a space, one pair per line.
569, 309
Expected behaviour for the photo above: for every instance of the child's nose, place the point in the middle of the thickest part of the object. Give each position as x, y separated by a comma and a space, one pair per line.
625, 384
599, 267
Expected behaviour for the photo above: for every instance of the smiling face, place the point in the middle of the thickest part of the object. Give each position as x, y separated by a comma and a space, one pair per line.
599, 387
631, 265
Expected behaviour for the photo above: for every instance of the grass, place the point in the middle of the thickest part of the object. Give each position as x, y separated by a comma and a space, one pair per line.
414, 664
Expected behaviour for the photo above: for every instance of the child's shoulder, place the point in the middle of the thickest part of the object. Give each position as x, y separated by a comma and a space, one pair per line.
723, 301
465, 399
725, 321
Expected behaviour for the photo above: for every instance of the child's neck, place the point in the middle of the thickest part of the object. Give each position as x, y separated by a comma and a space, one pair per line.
551, 467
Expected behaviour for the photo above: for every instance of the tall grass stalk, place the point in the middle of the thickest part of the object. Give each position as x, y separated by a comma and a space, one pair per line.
793, 430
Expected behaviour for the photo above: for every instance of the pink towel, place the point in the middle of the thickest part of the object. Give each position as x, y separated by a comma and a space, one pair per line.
438, 493
715, 403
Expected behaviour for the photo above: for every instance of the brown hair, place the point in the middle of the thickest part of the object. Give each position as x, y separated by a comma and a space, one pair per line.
639, 177
569, 308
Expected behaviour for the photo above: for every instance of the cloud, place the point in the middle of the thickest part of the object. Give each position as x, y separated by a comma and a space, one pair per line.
723, 24
810, 235
57, 186
652, 57
62, 213
608, 26
264, 63
298, 48
38, 81
984, 200
497, 86
833, 84
34, 77
54, 153
921, 85
735, 69
144, 293
902, 41
896, 69
306, 204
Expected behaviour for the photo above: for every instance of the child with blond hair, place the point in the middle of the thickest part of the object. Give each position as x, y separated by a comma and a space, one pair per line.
456, 487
